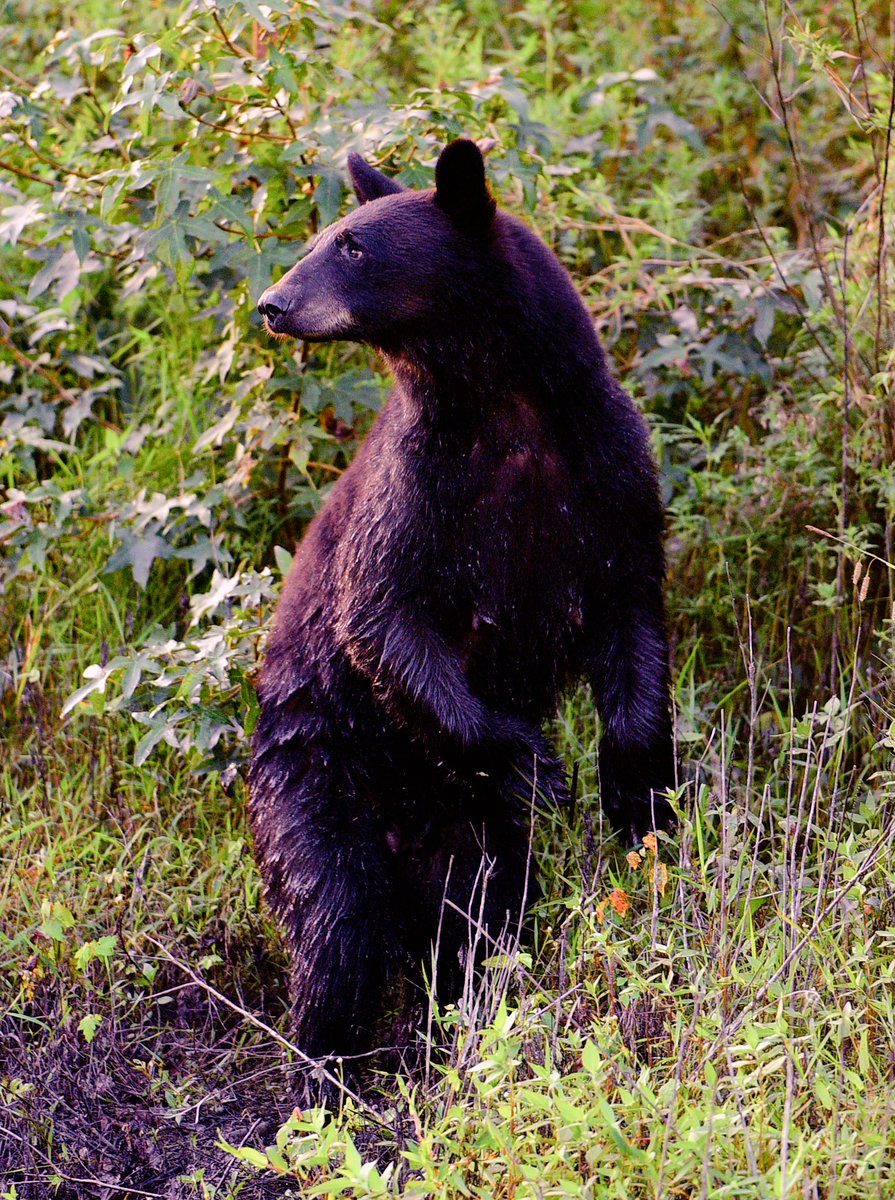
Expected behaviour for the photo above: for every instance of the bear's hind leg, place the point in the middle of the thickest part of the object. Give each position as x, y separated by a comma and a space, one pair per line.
329, 882
469, 885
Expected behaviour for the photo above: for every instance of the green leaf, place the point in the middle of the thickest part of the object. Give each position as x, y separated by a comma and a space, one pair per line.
103, 947
139, 553
283, 560
277, 1159
765, 315
255, 11
81, 242
17, 217
137, 62
57, 918
591, 1059
660, 117
149, 741
616, 1134
246, 1154
62, 268
823, 1092
232, 210
328, 196
87, 1026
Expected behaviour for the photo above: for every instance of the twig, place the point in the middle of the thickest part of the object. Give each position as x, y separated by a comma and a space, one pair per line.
622, 223
799, 166
430, 1012
117, 255
54, 162
245, 138
20, 171
790, 290
223, 32
881, 229
862, 55
846, 95
222, 225
25, 83
835, 537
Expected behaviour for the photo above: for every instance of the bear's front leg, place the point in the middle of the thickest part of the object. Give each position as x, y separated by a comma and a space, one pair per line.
410, 663
630, 676
329, 882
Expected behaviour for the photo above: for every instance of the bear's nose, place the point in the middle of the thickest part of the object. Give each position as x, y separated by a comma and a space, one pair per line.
271, 305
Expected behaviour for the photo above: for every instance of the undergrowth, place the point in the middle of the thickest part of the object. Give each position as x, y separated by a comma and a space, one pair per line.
710, 1014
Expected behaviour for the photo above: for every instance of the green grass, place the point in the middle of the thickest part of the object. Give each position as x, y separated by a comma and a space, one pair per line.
709, 1017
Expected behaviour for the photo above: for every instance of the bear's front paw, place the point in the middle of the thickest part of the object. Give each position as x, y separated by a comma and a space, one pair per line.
537, 773
549, 777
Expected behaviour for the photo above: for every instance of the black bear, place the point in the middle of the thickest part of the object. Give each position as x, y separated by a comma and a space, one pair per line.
498, 536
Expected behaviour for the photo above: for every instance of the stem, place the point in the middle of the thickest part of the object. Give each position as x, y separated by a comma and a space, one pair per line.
8, 166
881, 240
230, 45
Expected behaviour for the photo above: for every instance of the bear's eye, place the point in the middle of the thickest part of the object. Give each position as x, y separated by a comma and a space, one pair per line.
348, 246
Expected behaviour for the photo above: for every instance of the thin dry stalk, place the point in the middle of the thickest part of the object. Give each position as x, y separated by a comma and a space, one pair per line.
776, 60
883, 339
877, 854
433, 987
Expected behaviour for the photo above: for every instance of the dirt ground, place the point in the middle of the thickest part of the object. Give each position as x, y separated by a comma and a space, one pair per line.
140, 1109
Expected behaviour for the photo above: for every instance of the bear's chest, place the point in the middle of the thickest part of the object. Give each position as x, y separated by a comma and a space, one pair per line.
517, 555
519, 515
489, 521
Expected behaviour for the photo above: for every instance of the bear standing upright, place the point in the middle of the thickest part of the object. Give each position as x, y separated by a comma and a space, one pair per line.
498, 536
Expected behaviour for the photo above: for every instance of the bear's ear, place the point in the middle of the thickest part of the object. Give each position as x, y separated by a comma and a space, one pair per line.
370, 184
461, 189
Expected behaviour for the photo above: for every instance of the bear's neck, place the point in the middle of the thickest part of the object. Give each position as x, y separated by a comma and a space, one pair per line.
460, 376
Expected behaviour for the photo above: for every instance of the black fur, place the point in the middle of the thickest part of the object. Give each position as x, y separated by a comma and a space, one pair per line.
497, 537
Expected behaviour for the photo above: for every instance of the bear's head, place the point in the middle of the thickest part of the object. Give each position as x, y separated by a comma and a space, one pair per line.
403, 265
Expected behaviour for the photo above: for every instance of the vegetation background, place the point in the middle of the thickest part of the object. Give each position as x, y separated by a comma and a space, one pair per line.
710, 1015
